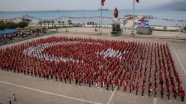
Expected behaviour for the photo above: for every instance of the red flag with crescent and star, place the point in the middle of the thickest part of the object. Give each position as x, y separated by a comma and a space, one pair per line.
102, 2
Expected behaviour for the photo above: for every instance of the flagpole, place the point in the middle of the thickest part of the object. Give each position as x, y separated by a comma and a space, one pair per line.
133, 13
101, 17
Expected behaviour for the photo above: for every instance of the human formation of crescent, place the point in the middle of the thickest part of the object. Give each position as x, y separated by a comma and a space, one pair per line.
128, 66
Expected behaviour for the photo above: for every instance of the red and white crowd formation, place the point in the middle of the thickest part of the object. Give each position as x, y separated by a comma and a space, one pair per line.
139, 67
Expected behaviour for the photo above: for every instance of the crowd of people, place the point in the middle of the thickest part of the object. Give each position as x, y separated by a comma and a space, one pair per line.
4, 38
137, 67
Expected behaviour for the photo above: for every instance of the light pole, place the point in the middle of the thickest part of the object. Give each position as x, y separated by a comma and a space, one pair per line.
101, 17
133, 15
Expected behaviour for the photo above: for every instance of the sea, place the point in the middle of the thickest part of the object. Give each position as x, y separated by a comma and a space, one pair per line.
82, 16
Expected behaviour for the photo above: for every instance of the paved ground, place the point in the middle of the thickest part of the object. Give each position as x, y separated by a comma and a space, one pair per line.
155, 34
31, 90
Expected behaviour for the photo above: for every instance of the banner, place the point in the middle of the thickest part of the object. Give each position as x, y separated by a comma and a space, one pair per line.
149, 17
102, 2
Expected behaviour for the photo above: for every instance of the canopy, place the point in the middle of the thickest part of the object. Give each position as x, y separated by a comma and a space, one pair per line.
8, 31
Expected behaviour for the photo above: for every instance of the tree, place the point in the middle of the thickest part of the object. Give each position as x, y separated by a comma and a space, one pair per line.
59, 23
11, 25
152, 28
63, 23
184, 28
48, 22
23, 24
40, 23
53, 22
1, 22
2, 25
165, 28
44, 22
69, 22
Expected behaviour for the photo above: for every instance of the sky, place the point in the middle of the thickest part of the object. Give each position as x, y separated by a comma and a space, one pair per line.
32, 5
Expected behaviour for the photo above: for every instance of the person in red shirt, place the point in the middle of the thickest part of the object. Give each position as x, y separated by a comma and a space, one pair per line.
31, 71
56, 76
79, 81
76, 79
131, 87
150, 90
97, 81
143, 89
175, 94
115, 13
113, 84
47, 74
102, 83
118, 84
39, 73
136, 89
35, 72
182, 95
155, 91
70, 78
61, 77
162, 91
108, 83
168, 94
85, 81
28, 72
65, 78
124, 87
89, 81
51, 74
24, 71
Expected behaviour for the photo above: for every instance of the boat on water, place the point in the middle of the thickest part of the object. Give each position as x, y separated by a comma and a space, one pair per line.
27, 20
104, 9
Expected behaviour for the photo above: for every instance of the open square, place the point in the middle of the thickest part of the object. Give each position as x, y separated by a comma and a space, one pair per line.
115, 62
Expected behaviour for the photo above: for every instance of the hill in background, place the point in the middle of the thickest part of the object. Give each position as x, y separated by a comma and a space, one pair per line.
178, 6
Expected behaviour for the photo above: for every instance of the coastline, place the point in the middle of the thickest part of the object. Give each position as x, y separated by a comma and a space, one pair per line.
155, 27
84, 16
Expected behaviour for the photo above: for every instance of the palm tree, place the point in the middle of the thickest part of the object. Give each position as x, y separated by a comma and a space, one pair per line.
48, 22
59, 23
44, 22
63, 23
152, 28
165, 28
40, 23
69, 22
52, 23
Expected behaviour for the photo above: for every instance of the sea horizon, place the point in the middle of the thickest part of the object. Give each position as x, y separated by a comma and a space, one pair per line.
54, 14
86, 10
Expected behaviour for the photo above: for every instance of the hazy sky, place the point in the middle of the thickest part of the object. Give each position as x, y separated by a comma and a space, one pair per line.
24, 5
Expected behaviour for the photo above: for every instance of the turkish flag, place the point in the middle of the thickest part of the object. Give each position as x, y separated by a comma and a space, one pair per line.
137, 1
102, 2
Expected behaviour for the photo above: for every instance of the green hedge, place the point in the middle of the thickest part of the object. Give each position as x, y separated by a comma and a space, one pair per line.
12, 25
184, 28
